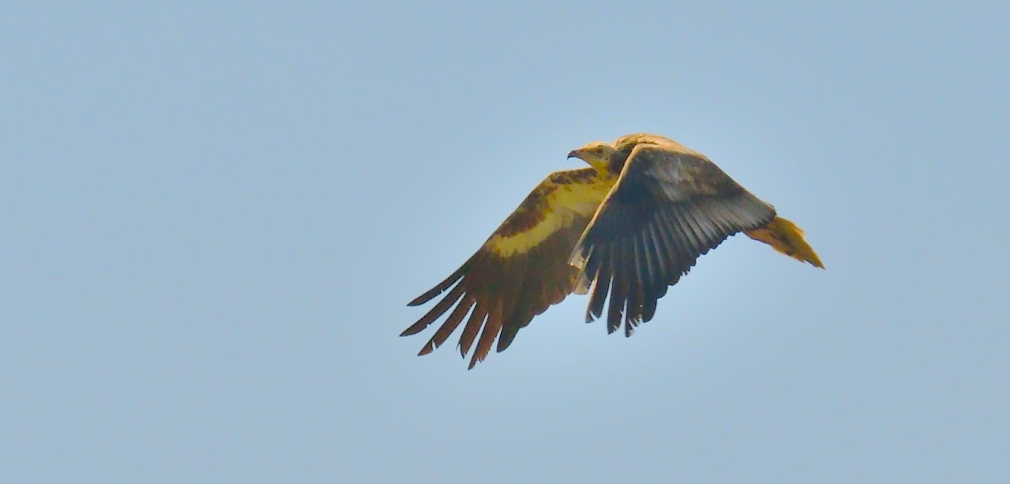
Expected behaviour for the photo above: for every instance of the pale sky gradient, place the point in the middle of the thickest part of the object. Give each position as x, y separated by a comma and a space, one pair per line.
214, 214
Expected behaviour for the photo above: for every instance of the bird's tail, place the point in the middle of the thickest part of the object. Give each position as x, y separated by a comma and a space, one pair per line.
785, 237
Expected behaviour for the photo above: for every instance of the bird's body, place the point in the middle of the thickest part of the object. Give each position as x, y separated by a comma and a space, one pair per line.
628, 227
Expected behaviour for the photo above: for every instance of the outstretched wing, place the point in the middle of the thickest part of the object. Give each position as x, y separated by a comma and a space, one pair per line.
670, 206
520, 271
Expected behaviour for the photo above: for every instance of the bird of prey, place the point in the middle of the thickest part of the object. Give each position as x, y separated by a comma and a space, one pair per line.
630, 225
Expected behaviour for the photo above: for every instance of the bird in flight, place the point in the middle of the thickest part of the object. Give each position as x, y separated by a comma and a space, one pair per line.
629, 226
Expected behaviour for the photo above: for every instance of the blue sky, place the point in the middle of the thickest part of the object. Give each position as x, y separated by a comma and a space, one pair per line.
214, 214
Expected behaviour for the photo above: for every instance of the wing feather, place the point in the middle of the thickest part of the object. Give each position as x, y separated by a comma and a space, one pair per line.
520, 271
637, 296
603, 274
436, 312
619, 291
669, 206
472, 326
450, 325
442, 286
491, 329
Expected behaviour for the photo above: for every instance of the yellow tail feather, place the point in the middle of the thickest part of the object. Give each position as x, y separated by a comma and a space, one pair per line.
786, 238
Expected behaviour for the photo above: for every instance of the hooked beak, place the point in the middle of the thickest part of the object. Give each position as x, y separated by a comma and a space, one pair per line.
573, 154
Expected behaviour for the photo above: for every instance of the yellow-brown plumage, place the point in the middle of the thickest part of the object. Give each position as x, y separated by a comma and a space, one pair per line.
521, 270
626, 228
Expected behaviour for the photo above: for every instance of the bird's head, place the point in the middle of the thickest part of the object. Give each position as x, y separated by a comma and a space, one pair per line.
597, 154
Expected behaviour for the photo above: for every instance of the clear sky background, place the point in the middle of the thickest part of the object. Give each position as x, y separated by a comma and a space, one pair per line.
213, 215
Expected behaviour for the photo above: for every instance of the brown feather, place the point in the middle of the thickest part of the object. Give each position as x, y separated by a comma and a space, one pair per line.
442, 286
487, 337
509, 284
449, 326
436, 312
520, 271
473, 325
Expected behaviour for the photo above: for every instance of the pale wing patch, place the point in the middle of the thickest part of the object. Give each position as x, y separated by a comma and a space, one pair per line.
583, 284
566, 203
